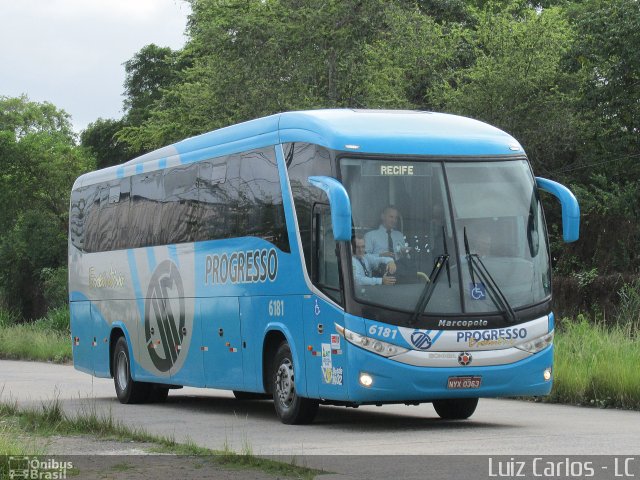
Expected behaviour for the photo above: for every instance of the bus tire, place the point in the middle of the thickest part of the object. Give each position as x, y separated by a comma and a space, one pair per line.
291, 408
127, 390
455, 408
250, 395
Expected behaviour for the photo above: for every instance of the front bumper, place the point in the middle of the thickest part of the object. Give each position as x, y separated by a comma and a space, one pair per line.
398, 382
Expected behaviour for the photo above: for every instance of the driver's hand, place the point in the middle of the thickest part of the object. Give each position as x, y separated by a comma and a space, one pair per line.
391, 267
388, 280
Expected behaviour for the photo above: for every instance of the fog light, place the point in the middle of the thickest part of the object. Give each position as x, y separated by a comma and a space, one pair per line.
366, 380
547, 374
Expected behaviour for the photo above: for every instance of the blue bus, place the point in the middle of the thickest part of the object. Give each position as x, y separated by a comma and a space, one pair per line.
343, 257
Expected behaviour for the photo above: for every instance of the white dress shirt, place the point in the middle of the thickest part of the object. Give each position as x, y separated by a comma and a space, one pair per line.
377, 241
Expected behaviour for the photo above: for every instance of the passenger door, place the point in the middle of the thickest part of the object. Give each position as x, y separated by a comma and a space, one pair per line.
327, 364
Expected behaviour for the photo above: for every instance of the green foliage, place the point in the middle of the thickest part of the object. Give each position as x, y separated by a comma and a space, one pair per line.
8, 318
607, 54
56, 320
100, 139
585, 278
23, 117
39, 161
629, 309
412, 55
150, 70
596, 365
255, 58
55, 286
609, 212
517, 82
36, 241
29, 342
46, 339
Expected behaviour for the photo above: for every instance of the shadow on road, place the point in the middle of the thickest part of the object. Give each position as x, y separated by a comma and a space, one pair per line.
416, 417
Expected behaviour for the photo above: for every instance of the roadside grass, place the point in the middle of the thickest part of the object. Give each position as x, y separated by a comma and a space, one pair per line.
50, 419
12, 439
597, 364
46, 339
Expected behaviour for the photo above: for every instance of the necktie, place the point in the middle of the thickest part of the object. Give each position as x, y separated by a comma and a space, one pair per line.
389, 241
366, 270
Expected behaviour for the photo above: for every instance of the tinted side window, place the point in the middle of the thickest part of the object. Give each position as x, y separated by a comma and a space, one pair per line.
146, 209
325, 272
80, 216
261, 212
121, 224
304, 160
234, 196
240, 195
218, 201
92, 225
107, 221
179, 217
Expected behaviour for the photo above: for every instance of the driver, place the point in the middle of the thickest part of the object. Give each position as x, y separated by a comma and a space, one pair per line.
364, 264
386, 240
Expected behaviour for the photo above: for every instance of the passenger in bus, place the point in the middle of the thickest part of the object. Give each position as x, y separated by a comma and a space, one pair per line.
364, 265
387, 240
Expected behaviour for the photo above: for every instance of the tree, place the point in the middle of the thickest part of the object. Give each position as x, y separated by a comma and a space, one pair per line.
606, 54
518, 82
255, 58
39, 161
151, 70
100, 139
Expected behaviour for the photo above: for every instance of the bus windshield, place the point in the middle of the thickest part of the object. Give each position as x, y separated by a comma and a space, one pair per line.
483, 217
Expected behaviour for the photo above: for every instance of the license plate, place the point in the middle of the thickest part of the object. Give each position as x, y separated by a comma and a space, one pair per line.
460, 383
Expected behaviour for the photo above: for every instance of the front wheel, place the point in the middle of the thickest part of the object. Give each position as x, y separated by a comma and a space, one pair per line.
455, 408
291, 408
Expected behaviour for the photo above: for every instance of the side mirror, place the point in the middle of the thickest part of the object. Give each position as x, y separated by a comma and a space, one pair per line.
570, 207
340, 206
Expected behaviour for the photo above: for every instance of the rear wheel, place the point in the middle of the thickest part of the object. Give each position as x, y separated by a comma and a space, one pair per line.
455, 408
291, 408
127, 390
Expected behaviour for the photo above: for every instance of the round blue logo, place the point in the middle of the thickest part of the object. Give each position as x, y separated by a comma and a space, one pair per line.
421, 340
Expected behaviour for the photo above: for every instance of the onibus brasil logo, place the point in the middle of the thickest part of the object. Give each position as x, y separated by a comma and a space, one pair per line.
164, 316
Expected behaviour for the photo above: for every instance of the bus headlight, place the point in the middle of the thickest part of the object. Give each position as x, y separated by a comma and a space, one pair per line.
537, 344
372, 344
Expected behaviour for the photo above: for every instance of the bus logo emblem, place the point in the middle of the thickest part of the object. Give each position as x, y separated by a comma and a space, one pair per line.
464, 358
164, 310
421, 340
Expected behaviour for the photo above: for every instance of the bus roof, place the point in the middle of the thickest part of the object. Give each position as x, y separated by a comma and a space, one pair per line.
400, 132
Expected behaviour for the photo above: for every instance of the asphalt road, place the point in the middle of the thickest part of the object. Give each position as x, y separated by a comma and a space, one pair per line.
213, 418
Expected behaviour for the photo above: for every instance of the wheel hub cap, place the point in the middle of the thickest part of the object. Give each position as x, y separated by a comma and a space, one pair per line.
284, 383
122, 370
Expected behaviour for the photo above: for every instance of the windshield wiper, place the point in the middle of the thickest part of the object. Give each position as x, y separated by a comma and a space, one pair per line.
429, 288
497, 296
446, 252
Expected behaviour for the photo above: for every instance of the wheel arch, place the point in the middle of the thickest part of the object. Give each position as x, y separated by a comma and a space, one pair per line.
274, 335
119, 329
